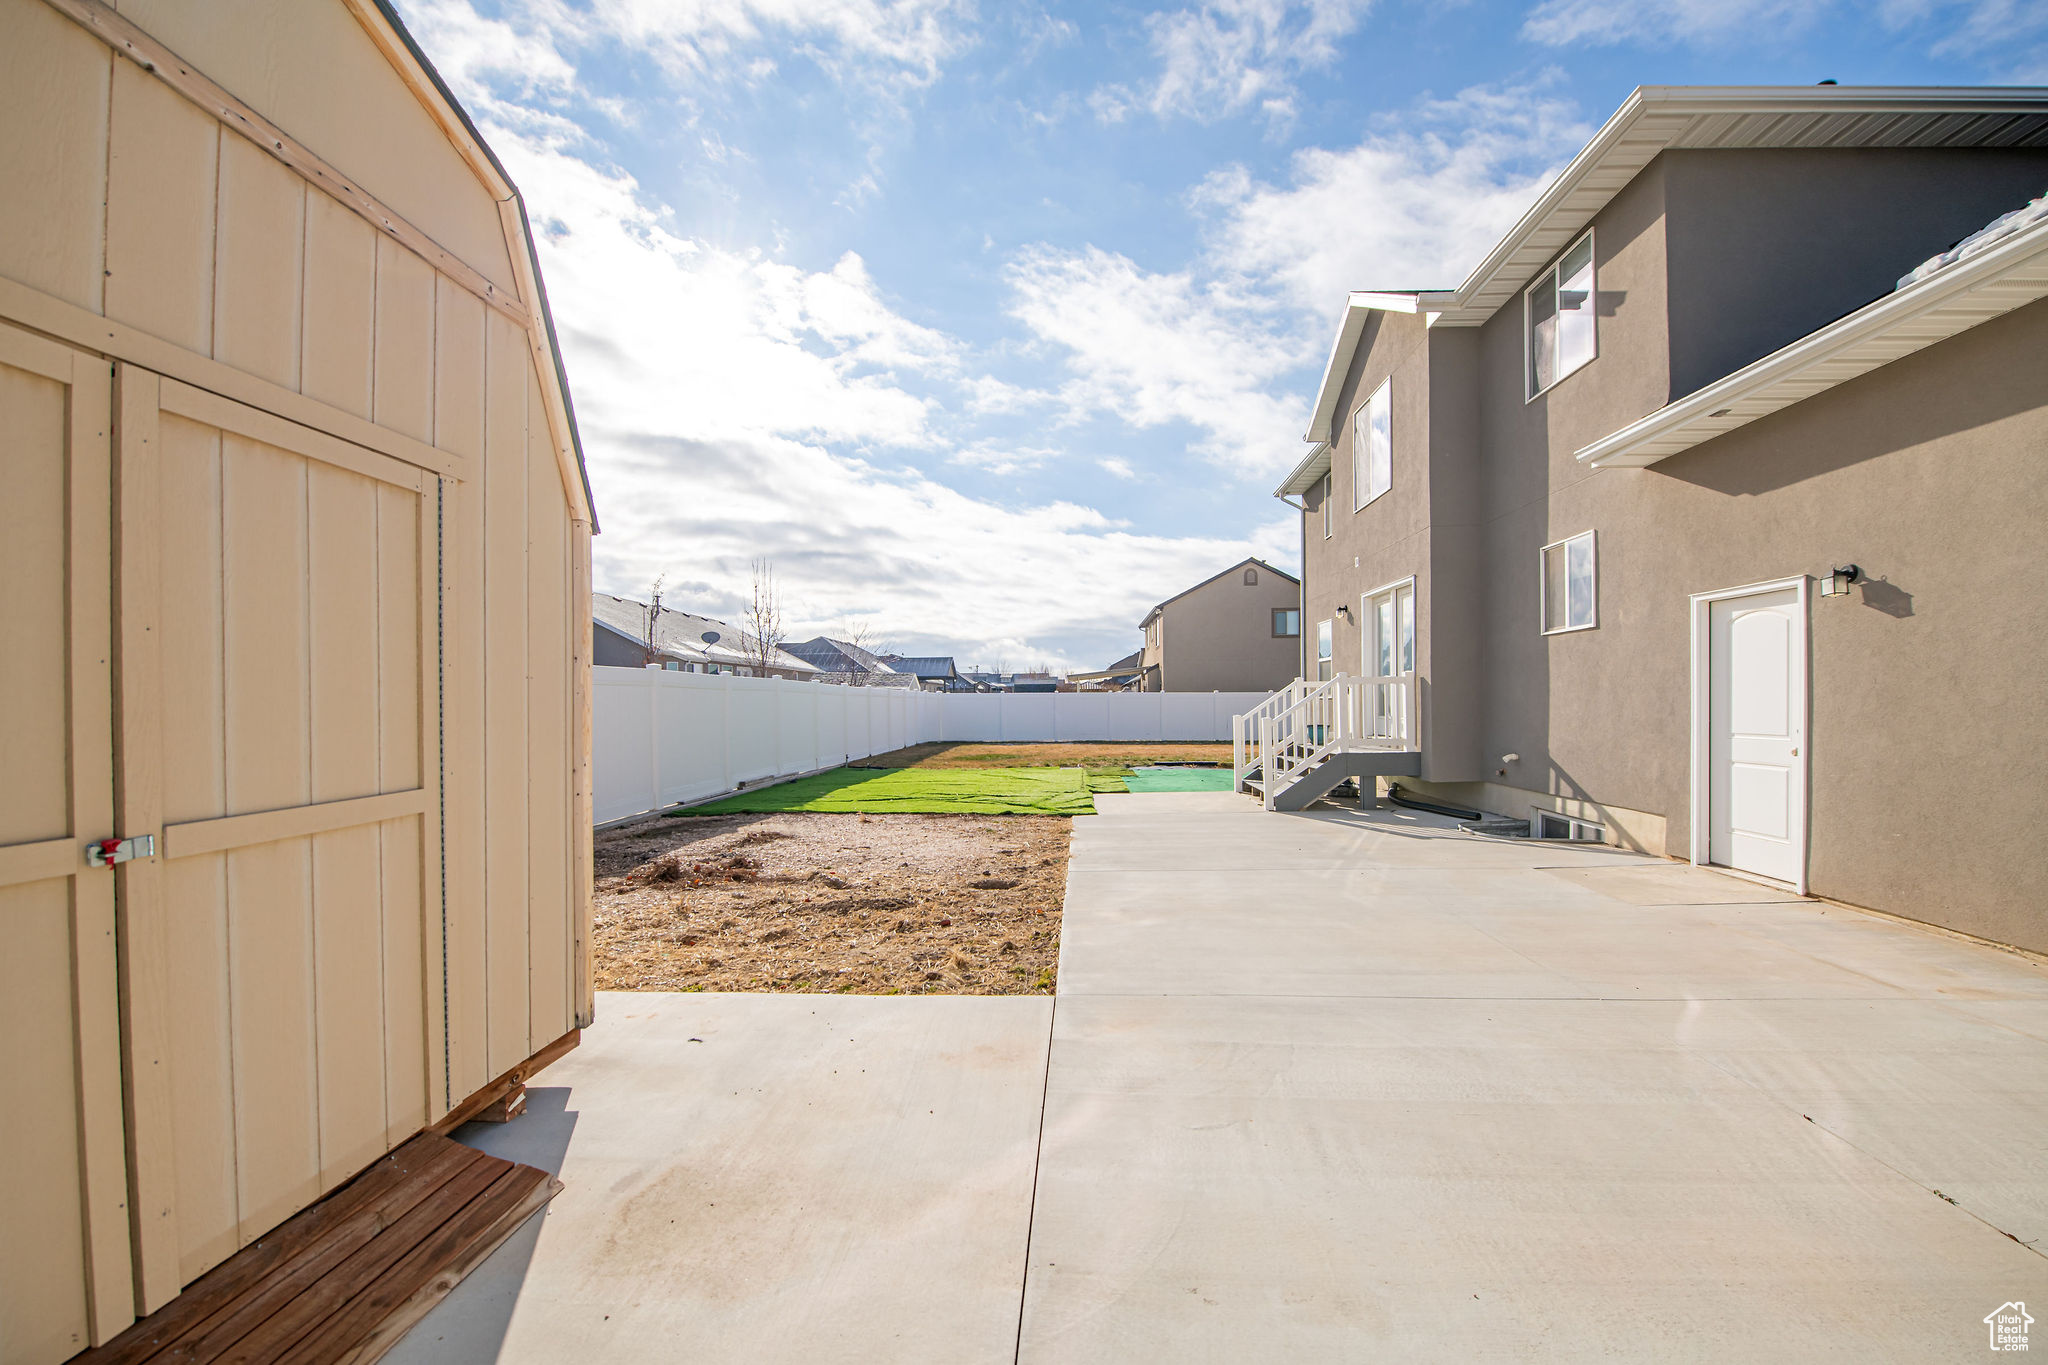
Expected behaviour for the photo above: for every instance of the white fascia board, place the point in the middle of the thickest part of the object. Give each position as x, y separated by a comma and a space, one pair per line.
1345, 346
1304, 475
1952, 300
1655, 117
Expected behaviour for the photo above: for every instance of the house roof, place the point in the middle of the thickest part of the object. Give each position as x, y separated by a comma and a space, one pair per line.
680, 635
837, 656
1126, 667
1951, 293
924, 666
408, 54
1658, 118
1253, 562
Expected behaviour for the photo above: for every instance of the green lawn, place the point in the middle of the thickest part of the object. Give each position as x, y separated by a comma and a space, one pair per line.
921, 791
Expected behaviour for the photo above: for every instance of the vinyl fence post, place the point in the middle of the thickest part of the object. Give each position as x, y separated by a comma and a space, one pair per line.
653, 680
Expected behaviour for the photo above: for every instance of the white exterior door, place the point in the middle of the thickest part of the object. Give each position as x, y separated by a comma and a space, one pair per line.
1756, 723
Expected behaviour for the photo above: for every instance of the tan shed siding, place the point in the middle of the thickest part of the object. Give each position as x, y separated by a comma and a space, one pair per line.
312, 70
162, 174
504, 693
258, 264
42, 1279
404, 754
194, 890
403, 371
270, 900
548, 800
459, 425
340, 308
53, 161
294, 609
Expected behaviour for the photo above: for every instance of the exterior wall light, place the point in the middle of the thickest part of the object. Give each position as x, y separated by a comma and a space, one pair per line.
1344, 611
1840, 581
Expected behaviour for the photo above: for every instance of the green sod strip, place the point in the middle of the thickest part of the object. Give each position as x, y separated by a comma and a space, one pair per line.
1179, 780
918, 791
1108, 779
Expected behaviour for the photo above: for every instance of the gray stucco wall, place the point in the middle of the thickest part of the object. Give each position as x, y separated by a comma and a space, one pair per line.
1767, 246
1930, 700
1389, 538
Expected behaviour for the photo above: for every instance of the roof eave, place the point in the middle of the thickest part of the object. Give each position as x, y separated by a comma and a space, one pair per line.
1304, 475
2009, 275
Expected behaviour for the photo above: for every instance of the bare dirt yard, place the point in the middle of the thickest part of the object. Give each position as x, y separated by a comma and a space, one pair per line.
804, 901
1111, 754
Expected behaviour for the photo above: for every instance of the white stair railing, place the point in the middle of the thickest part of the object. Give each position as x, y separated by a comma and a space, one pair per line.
1303, 723
1247, 742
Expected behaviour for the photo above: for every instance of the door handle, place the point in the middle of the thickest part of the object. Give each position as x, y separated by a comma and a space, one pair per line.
1795, 751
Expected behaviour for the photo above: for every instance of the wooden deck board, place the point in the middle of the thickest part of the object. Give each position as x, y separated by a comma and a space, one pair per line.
331, 1284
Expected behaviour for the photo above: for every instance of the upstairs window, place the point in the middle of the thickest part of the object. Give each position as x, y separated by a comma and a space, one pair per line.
1570, 587
1286, 621
1326, 507
1323, 651
1251, 578
1372, 446
1559, 307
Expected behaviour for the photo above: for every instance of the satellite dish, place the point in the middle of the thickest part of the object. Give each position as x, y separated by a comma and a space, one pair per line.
710, 637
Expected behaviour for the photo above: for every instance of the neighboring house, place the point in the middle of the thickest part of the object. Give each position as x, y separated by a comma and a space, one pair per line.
839, 661
300, 635
683, 641
1593, 501
1239, 631
1034, 682
983, 680
1121, 676
936, 672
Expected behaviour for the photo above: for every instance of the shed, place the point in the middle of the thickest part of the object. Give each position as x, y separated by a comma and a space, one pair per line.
294, 567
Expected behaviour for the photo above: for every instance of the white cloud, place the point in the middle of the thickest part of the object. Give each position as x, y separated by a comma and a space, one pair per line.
1663, 22
1228, 55
1118, 466
1415, 205
1150, 349
531, 45
2007, 38
735, 406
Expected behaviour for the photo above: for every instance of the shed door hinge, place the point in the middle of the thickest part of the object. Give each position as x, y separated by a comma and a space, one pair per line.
107, 852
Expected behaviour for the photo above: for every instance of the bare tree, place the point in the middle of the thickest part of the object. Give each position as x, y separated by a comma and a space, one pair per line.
647, 632
763, 620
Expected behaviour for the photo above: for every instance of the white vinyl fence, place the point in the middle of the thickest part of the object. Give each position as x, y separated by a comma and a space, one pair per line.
661, 737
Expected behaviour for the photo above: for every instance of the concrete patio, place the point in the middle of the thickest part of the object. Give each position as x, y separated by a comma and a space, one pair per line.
1331, 1086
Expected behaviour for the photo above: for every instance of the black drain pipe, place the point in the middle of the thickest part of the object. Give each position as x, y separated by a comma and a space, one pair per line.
1394, 795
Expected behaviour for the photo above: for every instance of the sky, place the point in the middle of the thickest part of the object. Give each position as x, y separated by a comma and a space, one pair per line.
988, 326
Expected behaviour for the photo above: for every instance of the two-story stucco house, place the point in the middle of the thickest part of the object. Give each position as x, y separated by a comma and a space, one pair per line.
1239, 631
1702, 520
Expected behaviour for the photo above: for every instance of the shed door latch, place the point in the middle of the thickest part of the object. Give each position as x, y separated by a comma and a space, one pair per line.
107, 852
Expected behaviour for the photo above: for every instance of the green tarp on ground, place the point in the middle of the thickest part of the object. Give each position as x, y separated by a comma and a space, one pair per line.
1178, 780
919, 791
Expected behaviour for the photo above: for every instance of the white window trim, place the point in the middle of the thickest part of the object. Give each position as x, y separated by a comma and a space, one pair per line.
1702, 725
1331, 623
1329, 492
1543, 598
1386, 387
1550, 274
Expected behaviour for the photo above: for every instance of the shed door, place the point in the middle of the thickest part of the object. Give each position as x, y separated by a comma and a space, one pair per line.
278, 725
64, 1270
1756, 717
